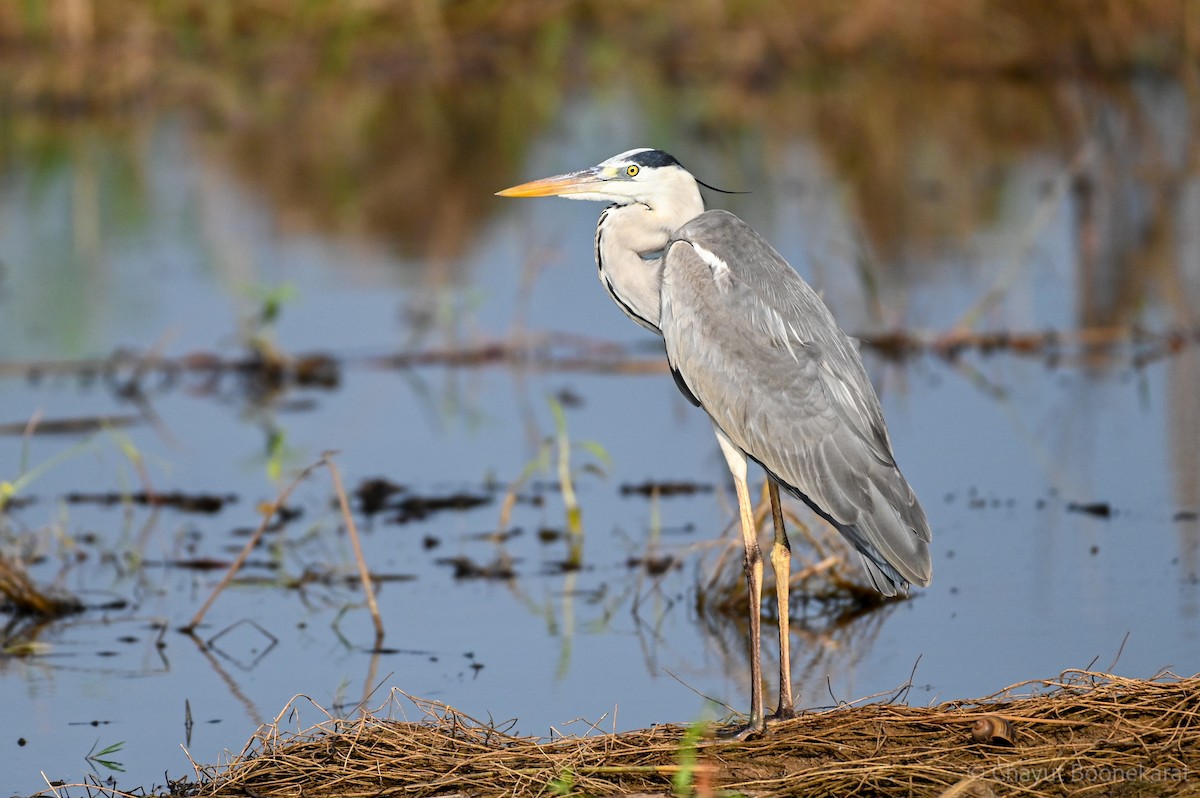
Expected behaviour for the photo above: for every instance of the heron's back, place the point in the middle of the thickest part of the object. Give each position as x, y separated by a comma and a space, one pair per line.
759, 351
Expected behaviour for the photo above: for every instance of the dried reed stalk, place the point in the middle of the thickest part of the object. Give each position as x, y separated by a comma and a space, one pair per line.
25, 597
1085, 733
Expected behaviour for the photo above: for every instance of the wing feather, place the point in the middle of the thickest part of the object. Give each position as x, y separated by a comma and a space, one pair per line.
760, 352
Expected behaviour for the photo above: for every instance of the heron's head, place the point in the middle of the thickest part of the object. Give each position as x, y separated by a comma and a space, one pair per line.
650, 177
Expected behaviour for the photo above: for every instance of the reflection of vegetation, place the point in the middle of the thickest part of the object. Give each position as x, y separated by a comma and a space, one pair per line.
333, 36
566, 479
28, 602
11, 489
558, 449
265, 385
391, 124
386, 120
77, 186
258, 327
826, 639
95, 757
835, 614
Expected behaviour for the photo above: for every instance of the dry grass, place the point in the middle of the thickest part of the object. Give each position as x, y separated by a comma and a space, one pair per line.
1084, 733
24, 597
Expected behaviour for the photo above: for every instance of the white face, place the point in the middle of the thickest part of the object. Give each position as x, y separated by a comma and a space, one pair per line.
617, 179
622, 180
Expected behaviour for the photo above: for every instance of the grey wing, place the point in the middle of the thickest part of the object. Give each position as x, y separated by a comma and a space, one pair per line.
760, 352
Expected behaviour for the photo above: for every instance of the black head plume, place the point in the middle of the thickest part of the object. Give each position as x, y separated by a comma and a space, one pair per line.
658, 158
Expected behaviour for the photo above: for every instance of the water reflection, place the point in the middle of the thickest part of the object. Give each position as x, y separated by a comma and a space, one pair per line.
924, 169
1129, 205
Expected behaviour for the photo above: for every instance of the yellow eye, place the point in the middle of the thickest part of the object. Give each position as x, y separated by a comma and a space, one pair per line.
632, 170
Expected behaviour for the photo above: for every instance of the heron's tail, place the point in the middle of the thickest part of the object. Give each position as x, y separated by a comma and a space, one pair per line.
893, 542
891, 532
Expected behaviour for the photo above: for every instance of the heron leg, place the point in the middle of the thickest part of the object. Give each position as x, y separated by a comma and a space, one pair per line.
781, 562
753, 566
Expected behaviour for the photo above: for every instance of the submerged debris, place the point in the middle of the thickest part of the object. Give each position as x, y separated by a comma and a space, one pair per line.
69, 426
1083, 731
466, 568
1098, 509
132, 374
665, 488
317, 370
655, 565
194, 564
208, 503
379, 495
1141, 346
22, 596
418, 508
373, 494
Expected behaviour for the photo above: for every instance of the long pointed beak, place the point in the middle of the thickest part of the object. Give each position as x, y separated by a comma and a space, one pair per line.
581, 182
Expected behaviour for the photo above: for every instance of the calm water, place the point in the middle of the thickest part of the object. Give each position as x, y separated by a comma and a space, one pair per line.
151, 240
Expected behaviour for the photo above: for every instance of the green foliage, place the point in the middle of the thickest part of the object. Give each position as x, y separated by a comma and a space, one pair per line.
566, 475
99, 757
10, 489
563, 784
561, 445
258, 327
566, 478
682, 781
277, 453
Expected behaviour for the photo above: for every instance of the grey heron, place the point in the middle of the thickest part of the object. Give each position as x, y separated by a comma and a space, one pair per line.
750, 343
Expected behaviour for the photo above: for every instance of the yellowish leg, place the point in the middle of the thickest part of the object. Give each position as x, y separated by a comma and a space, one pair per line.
753, 566
781, 562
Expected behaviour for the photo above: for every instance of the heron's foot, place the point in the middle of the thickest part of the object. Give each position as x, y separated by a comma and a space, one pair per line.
782, 714
744, 732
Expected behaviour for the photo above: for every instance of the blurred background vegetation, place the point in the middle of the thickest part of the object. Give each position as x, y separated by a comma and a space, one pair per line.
344, 112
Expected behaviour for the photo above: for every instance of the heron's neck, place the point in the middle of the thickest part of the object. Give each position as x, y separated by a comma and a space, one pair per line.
630, 240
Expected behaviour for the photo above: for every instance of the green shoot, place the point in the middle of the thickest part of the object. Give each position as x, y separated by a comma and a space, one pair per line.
563, 784
98, 757
561, 446
277, 452
270, 301
566, 484
682, 783
539, 463
10, 489
566, 478
257, 329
